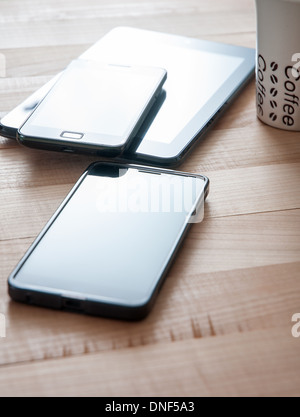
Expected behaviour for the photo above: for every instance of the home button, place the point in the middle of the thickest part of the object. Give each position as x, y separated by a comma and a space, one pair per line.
72, 135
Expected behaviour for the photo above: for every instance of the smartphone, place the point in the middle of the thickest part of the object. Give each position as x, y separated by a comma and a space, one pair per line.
93, 107
108, 247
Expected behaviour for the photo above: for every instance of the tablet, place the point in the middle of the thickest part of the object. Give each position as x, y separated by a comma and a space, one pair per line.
203, 77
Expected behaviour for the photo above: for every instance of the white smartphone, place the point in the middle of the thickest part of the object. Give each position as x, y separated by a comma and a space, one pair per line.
93, 107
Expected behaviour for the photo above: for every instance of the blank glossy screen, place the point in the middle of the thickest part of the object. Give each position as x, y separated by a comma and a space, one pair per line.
194, 76
96, 98
115, 236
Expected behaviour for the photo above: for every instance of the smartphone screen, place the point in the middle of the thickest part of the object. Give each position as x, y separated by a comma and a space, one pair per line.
95, 103
113, 239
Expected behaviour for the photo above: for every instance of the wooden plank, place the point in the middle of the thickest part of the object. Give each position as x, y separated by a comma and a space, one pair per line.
252, 190
37, 9
69, 32
14, 90
51, 168
247, 39
230, 148
32, 62
217, 244
234, 300
65, 23
265, 187
257, 363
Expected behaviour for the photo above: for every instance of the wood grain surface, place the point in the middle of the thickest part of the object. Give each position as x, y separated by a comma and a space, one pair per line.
222, 322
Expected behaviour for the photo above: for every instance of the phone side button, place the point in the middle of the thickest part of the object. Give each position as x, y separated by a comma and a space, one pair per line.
72, 135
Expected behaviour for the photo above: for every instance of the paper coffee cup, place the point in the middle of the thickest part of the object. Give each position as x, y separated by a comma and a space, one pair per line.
278, 63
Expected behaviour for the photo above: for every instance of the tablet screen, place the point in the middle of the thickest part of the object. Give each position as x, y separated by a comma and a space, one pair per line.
185, 97
198, 72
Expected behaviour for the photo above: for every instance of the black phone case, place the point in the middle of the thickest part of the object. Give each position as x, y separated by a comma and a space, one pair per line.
56, 301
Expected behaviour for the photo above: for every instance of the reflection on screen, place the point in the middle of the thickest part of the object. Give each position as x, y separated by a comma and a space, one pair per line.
191, 82
92, 98
112, 239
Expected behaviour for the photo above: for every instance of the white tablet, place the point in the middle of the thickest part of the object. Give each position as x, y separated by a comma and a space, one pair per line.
203, 77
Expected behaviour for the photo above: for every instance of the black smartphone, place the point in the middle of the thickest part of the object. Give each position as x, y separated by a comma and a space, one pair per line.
108, 247
93, 107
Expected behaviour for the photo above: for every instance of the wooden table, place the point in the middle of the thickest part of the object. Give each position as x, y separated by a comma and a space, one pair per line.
222, 323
